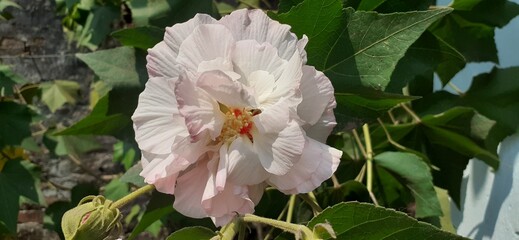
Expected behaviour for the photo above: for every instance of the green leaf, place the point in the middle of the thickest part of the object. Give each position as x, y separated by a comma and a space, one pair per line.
139, 37
98, 122
132, 176
15, 120
97, 26
427, 55
159, 206
356, 48
286, 5
118, 67
348, 191
116, 189
356, 109
125, 153
58, 92
496, 13
369, 5
165, 13
364, 221
461, 144
97, 90
192, 233
474, 40
8, 79
418, 177
76, 145
16, 180
495, 95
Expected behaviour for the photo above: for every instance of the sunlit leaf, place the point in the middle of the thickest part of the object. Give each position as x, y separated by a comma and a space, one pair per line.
58, 92
365, 221
356, 48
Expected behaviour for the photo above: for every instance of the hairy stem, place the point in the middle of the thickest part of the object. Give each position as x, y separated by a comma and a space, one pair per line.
298, 230
132, 196
369, 157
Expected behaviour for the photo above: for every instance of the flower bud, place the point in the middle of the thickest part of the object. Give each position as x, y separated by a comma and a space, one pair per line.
93, 218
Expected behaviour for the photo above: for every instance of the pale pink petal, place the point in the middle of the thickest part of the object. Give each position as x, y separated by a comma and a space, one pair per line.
220, 177
200, 111
301, 44
166, 184
158, 169
255, 24
278, 152
154, 166
317, 91
156, 119
263, 84
249, 56
161, 61
221, 64
318, 163
189, 191
256, 192
273, 118
222, 205
324, 126
207, 42
176, 34
287, 85
243, 164
228, 204
188, 152
226, 91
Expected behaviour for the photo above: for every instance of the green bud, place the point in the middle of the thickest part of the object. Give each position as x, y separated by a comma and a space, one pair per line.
93, 218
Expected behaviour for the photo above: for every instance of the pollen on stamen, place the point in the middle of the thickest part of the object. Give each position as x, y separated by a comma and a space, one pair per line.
237, 122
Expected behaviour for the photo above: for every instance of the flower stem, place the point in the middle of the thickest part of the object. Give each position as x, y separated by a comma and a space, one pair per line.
411, 113
310, 199
291, 205
132, 196
298, 230
229, 231
369, 157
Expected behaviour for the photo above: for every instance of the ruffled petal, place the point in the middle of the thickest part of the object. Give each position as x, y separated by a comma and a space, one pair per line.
318, 163
273, 118
243, 164
324, 126
161, 61
287, 85
157, 120
255, 24
207, 43
154, 166
200, 111
249, 56
166, 184
176, 34
189, 191
222, 205
278, 152
317, 92
263, 84
222, 88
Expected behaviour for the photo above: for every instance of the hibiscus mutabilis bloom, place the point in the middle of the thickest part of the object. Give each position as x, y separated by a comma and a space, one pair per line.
230, 107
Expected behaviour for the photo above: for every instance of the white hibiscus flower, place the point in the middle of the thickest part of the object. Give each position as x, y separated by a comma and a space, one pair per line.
230, 106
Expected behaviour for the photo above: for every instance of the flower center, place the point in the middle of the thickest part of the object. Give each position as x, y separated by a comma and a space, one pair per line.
237, 122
